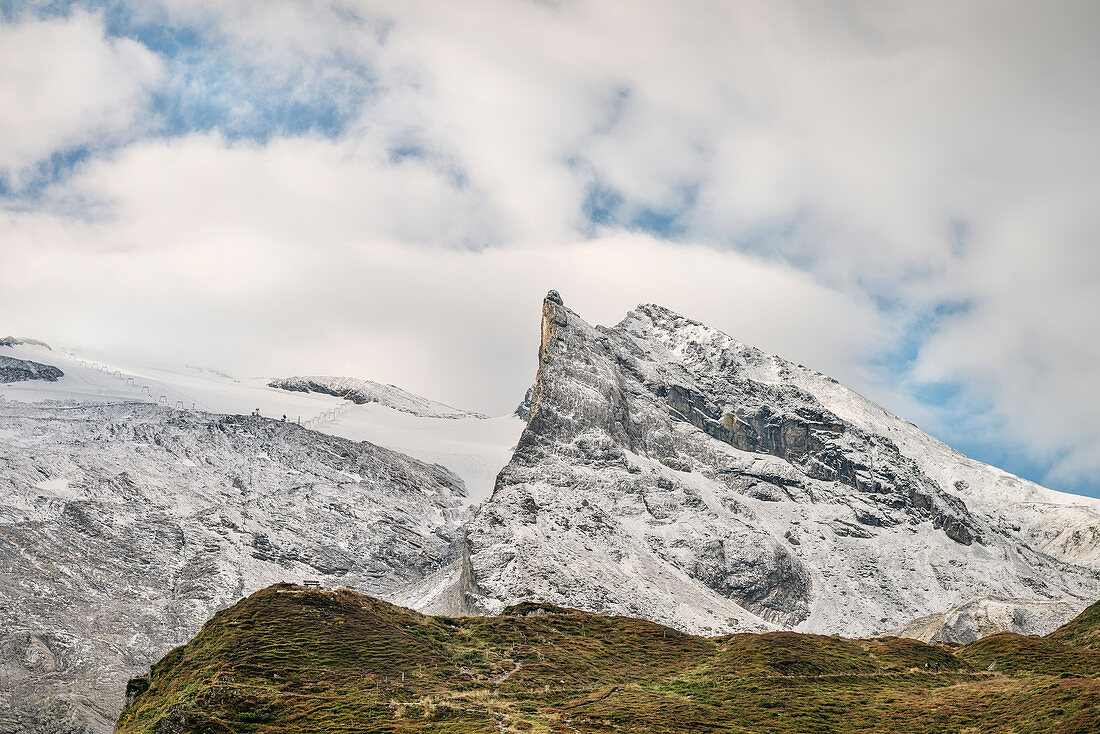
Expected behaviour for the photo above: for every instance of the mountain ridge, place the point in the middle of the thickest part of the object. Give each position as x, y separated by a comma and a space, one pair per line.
360, 392
669, 471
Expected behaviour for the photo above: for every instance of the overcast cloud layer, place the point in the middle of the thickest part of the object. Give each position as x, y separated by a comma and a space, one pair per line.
905, 198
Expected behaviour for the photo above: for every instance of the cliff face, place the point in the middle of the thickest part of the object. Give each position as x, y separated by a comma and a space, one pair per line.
123, 527
668, 471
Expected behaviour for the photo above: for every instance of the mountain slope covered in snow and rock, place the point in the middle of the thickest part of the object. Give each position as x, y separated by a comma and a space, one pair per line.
670, 472
124, 526
469, 444
135, 501
361, 392
658, 469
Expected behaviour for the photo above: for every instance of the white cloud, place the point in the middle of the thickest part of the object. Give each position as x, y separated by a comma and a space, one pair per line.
64, 84
307, 193
459, 325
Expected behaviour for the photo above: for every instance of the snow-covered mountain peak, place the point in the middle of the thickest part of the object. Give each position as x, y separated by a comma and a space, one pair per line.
669, 471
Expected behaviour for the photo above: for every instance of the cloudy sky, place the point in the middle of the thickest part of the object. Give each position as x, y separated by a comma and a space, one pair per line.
903, 195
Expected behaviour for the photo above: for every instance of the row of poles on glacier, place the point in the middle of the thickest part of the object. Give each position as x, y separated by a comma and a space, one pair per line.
324, 416
129, 380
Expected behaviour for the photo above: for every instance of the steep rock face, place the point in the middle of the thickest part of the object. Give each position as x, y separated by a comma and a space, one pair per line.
671, 472
19, 370
523, 410
123, 527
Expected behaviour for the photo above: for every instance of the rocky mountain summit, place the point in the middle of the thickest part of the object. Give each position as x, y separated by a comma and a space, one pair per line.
15, 341
670, 472
123, 527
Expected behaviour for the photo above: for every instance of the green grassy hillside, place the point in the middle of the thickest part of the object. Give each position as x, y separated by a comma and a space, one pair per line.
290, 660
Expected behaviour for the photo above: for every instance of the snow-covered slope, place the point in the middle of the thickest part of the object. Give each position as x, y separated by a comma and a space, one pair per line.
987, 615
671, 472
124, 526
365, 391
470, 445
135, 501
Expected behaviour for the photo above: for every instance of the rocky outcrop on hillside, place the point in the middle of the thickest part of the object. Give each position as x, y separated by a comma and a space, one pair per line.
20, 370
523, 410
668, 471
123, 527
986, 616
14, 341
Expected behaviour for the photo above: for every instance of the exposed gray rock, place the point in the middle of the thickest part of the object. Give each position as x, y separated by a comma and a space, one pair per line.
13, 341
20, 370
671, 472
523, 410
978, 618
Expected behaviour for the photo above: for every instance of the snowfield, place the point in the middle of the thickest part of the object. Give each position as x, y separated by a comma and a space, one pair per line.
469, 444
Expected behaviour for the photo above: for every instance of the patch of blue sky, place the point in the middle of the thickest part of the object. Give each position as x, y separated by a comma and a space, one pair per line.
13, 10
406, 151
917, 328
978, 435
205, 97
114, 12
666, 223
606, 207
600, 207
210, 86
24, 192
782, 238
963, 421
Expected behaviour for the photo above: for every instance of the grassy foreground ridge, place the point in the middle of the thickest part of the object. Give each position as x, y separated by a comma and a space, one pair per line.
290, 660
